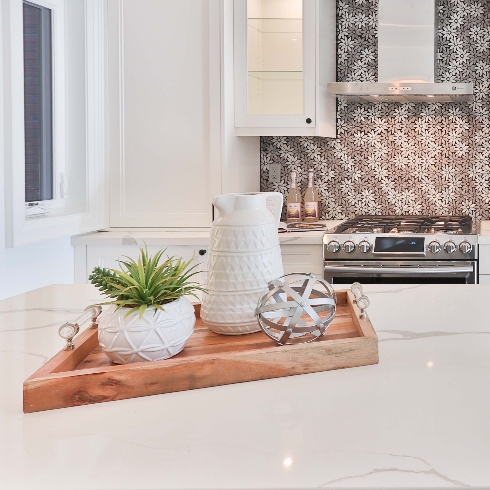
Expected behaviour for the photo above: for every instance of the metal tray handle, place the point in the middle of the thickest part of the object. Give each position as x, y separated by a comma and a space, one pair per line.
68, 330
360, 298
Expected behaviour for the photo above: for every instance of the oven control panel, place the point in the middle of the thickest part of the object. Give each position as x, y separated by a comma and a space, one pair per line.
399, 247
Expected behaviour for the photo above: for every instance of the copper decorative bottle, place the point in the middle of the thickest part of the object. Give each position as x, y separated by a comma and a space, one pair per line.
311, 200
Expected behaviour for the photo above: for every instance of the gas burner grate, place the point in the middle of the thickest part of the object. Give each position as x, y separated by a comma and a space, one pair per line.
407, 224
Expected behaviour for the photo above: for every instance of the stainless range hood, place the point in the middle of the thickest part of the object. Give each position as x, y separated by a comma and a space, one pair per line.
402, 92
407, 34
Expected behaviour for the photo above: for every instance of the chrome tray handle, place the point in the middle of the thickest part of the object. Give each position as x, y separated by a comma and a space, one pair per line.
361, 299
68, 330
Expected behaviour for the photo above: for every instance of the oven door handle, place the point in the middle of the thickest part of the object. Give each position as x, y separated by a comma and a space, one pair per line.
399, 270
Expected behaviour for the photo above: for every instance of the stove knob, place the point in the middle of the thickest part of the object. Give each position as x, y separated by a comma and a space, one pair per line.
450, 247
349, 246
333, 246
465, 247
435, 247
364, 246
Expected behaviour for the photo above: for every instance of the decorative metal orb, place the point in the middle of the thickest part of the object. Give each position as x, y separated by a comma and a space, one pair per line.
296, 308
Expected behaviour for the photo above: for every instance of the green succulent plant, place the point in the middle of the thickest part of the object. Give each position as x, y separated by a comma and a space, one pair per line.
146, 283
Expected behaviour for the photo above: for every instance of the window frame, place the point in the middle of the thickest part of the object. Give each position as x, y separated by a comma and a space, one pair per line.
55, 206
58, 222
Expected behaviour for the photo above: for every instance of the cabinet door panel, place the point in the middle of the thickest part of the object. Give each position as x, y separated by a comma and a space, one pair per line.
303, 258
275, 59
484, 279
484, 259
164, 87
107, 256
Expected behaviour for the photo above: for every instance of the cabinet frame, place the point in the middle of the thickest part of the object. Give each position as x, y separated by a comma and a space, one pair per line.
242, 118
319, 68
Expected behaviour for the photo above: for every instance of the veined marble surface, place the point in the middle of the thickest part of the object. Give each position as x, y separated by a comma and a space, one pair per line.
184, 236
420, 418
201, 237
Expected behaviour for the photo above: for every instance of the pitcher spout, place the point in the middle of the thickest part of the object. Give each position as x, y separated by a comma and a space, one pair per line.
224, 204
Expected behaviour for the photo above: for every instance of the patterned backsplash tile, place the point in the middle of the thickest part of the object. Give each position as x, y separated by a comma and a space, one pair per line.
400, 158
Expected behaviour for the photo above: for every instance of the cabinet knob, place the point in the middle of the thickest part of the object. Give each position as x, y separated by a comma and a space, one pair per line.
202, 252
308, 120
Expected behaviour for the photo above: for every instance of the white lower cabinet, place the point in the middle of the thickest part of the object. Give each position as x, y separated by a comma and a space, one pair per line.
484, 264
89, 257
303, 258
296, 258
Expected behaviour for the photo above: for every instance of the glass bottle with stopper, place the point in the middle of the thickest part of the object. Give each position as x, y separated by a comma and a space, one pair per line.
293, 202
311, 200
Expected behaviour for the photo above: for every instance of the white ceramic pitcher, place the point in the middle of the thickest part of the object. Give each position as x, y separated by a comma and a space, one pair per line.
244, 256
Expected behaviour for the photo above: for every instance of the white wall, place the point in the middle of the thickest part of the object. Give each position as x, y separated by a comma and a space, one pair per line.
241, 155
32, 266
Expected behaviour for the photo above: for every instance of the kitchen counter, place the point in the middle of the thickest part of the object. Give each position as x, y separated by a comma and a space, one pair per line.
418, 419
188, 237
201, 237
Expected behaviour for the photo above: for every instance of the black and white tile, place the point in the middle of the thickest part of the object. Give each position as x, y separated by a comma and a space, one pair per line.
400, 158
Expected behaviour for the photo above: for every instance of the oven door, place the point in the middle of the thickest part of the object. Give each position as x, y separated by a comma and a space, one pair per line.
400, 272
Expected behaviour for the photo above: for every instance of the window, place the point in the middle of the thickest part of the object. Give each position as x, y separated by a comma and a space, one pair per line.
53, 65
38, 110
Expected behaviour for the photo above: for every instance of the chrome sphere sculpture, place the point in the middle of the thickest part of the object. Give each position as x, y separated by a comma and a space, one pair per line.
296, 308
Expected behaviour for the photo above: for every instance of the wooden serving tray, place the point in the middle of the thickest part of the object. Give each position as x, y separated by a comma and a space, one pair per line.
86, 375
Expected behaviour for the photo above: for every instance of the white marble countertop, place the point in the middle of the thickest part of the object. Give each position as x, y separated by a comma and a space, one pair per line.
420, 418
200, 237
185, 236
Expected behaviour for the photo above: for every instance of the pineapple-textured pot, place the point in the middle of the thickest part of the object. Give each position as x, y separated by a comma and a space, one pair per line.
155, 336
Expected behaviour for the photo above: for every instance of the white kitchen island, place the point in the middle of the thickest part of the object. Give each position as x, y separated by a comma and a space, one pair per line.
420, 418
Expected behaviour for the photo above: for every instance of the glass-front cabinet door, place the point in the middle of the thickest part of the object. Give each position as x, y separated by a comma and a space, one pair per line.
275, 63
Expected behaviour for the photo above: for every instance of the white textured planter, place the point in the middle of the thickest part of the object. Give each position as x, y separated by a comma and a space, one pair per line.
157, 335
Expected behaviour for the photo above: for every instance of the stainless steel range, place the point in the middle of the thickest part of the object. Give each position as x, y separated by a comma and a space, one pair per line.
402, 249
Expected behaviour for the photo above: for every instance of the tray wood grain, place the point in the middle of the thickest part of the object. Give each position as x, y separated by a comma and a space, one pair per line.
86, 375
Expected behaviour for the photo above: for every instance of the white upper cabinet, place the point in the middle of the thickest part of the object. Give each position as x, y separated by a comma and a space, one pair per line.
284, 56
162, 169
172, 146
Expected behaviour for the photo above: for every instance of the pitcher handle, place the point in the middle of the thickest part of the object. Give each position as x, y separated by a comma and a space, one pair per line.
275, 201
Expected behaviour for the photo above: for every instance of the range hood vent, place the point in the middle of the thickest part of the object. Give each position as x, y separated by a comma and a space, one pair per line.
407, 34
403, 92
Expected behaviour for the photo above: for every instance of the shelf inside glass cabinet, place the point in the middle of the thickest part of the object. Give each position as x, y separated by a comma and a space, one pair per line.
276, 75
275, 57
276, 25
